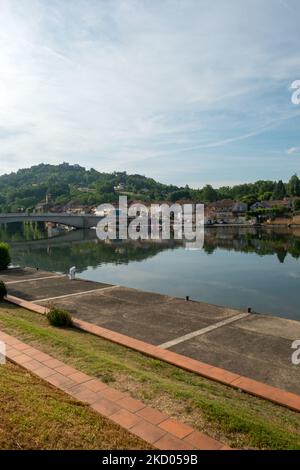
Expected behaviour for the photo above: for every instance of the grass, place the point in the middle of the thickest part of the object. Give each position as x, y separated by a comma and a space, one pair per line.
235, 418
34, 415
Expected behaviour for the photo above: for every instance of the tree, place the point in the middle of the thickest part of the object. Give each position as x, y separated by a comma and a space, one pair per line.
297, 205
279, 191
209, 194
281, 255
105, 187
181, 194
294, 186
265, 196
4, 256
250, 199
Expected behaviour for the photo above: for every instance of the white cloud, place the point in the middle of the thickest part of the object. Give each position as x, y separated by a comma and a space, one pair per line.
293, 150
110, 83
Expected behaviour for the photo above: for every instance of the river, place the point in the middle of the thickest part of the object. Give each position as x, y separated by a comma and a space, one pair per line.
238, 267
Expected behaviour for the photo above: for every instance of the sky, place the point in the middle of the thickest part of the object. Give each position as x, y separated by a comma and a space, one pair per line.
185, 91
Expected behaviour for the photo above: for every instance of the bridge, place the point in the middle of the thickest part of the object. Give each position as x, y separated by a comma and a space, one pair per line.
81, 221
65, 238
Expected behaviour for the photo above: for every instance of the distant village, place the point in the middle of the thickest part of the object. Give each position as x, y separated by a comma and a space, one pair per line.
223, 212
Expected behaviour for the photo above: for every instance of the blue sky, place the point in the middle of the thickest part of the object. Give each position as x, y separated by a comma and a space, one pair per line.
185, 91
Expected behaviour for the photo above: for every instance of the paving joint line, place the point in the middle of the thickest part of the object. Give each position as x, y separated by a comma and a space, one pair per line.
132, 301
202, 331
34, 279
72, 295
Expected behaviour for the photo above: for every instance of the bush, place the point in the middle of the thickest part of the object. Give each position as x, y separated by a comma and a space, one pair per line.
297, 205
4, 256
59, 317
3, 291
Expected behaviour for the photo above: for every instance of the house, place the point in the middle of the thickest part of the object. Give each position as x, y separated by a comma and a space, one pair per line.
226, 211
119, 187
85, 190
286, 202
43, 207
100, 213
73, 208
219, 210
259, 205
240, 208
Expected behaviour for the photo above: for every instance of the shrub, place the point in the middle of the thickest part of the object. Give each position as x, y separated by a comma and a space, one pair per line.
4, 256
59, 317
297, 205
3, 291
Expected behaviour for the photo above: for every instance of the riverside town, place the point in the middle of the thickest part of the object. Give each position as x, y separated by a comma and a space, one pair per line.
187, 220
149, 232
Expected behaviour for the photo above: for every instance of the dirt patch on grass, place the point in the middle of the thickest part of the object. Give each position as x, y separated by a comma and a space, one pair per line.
35, 415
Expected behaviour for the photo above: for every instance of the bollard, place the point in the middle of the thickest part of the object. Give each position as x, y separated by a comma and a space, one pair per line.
249, 310
187, 298
72, 273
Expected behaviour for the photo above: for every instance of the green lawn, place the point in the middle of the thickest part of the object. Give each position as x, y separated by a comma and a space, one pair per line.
235, 418
34, 415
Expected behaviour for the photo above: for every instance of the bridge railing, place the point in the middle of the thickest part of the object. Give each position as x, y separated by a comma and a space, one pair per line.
44, 214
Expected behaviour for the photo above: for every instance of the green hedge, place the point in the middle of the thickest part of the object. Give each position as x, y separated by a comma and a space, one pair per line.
3, 291
4, 256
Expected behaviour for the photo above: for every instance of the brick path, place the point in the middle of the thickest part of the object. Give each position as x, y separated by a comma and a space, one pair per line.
149, 424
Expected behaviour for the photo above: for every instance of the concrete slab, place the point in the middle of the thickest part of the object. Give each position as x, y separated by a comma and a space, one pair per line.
157, 320
271, 326
51, 287
17, 274
249, 352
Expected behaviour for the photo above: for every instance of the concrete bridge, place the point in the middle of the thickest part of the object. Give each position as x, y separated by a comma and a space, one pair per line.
71, 220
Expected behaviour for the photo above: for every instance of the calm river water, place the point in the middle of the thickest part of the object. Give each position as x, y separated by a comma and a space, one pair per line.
238, 267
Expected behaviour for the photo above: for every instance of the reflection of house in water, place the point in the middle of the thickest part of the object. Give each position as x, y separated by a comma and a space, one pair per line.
226, 211
54, 230
229, 238
257, 243
239, 244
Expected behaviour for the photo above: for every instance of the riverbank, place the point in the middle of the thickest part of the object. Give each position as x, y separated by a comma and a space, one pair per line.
248, 344
237, 419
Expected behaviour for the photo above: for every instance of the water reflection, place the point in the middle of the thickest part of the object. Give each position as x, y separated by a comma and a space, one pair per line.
36, 245
262, 241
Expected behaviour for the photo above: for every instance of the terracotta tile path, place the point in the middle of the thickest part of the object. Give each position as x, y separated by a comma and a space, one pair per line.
149, 424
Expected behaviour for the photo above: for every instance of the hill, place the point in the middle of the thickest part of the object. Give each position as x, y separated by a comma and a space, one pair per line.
65, 183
